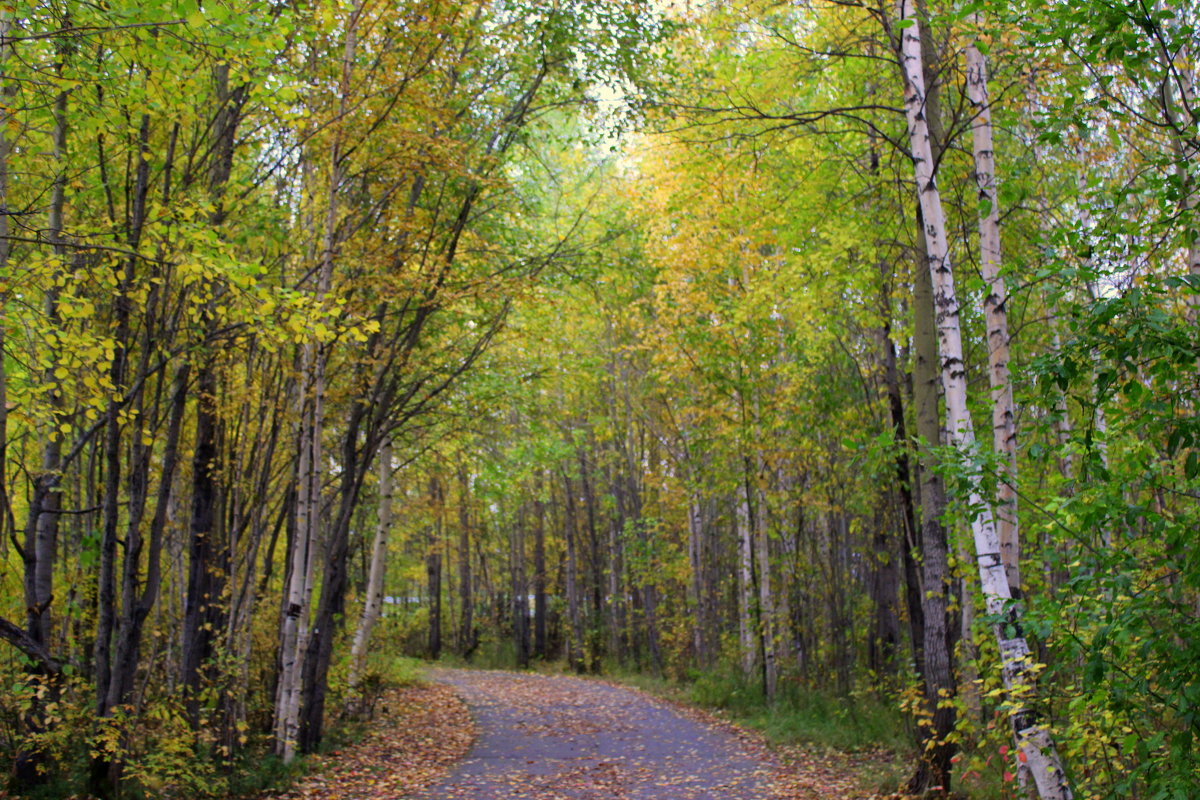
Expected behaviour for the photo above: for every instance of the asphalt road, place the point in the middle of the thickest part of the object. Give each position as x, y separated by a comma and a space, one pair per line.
561, 738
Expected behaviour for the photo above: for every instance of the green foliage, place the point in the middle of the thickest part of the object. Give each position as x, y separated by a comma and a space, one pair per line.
805, 715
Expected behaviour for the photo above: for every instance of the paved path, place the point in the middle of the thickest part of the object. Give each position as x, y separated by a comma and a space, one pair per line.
560, 738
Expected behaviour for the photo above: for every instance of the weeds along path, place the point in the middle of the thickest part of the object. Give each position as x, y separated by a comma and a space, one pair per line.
561, 738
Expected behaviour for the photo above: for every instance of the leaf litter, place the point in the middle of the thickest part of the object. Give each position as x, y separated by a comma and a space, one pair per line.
418, 734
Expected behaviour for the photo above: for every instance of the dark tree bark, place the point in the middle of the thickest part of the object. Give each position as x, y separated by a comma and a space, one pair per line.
356, 461
520, 602
933, 773
433, 570
595, 561
208, 555
539, 572
467, 641
907, 511
575, 642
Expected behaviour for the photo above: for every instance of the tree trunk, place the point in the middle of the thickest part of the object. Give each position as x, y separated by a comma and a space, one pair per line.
467, 641
135, 608
616, 600
575, 643
41, 539
748, 646
314, 358
207, 557
595, 559
1033, 740
301, 551
539, 572
373, 606
704, 627
940, 635
908, 522
520, 600
766, 599
1004, 436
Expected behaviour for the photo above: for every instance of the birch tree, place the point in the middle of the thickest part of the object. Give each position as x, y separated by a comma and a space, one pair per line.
1033, 739
1004, 436
376, 572
310, 471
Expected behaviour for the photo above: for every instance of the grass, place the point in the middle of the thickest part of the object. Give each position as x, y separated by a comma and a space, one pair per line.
800, 714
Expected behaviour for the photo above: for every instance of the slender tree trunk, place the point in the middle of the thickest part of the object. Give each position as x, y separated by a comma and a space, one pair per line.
539, 572
373, 606
433, 571
748, 646
596, 562
766, 598
1004, 436
939, 634
41, 539
314, 358
908, 522
704, 626
137, 609
207, 558
466, 629
571, 531
520, 600
1033, 740
885, 592
301, 559
616, 599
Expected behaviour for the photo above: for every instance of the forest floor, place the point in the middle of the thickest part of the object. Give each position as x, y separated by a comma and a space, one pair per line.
486, 735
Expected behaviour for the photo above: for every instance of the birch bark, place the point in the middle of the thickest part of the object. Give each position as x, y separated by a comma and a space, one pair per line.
766, 599
1033, 740
314, 356
1004, 436
379, 547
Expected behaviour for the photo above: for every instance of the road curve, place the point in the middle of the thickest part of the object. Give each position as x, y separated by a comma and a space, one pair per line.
561, 738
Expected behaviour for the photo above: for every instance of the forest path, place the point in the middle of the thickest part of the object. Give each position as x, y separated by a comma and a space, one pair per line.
561, 738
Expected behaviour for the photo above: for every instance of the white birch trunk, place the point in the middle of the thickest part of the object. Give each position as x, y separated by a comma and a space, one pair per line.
766, 601
294, 630
1004, 436
1033, 740
379, 547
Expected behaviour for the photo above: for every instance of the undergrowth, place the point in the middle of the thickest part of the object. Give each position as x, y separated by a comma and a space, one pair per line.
800, 715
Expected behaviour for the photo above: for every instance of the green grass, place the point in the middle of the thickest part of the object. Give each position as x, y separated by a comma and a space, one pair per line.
800, 715
804, 715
